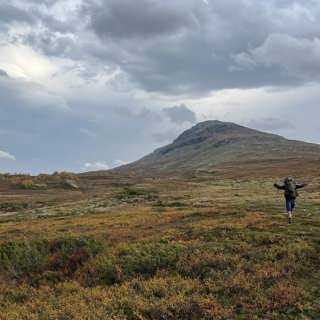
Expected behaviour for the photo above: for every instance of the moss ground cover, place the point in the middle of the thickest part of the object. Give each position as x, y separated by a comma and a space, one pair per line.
217, 249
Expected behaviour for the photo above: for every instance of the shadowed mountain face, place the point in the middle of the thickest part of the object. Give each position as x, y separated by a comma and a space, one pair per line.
211, 143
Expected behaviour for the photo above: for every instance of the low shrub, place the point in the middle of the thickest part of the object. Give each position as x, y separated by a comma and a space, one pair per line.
20, 259
59, 258
284, 297
130, 261
181, 307
204, 264
133, 194
68, 254
146, 259
13, 206
297, 252
24, 183
220, 233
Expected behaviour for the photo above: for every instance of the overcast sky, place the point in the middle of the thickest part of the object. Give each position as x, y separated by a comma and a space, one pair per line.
90, 84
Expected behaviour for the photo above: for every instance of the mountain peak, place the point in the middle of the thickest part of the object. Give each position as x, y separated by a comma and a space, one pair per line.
212, 142
210, 128
212, 132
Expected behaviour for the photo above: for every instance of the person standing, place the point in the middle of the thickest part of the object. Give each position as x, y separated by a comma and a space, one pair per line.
290, 188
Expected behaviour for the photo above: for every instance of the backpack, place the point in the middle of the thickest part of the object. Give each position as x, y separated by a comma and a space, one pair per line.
291, 188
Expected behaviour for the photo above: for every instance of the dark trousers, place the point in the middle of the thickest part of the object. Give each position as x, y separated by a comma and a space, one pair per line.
290, 204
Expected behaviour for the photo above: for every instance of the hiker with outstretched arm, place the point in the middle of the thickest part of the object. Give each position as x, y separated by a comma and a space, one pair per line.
290, 188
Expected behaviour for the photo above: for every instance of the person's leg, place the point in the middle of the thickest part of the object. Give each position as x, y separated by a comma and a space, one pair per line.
289, 209
293, 205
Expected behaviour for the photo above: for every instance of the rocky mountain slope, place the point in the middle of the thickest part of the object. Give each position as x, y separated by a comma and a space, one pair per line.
214, 142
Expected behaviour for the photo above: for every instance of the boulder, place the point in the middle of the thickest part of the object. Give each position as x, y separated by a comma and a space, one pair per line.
70, 184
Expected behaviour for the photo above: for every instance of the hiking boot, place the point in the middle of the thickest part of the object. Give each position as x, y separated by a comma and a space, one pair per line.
290, 220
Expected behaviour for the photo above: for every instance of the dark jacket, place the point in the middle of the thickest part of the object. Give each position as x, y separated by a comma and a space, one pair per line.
287, 193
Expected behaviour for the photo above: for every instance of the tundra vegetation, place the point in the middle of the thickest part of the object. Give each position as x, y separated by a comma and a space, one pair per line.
198, 245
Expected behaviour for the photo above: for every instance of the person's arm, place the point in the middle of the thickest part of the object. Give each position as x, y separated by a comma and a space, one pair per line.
302, 185
280, 187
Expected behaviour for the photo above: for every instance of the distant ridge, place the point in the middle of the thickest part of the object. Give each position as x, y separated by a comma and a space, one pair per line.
214, 142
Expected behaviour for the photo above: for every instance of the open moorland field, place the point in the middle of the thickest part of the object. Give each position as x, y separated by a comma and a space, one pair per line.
198, 245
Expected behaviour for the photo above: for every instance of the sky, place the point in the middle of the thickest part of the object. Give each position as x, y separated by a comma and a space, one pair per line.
92, 84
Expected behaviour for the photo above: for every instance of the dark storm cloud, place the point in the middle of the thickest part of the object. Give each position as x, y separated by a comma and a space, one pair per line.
52, 44
298, 57
180, 114
186, 47
3, 73
190, 47
53, 24
43, 2
10, 13
144, 18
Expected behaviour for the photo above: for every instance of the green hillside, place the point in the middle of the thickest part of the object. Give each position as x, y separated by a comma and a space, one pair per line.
213, 142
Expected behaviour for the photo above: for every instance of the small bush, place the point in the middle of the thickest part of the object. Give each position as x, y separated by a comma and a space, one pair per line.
181, 307
30, 260
68, 254
131, 195
13, 206
220, 233
134, 260
296, 252
204, 264
148, 258
24, 183
20, 259
283, 297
